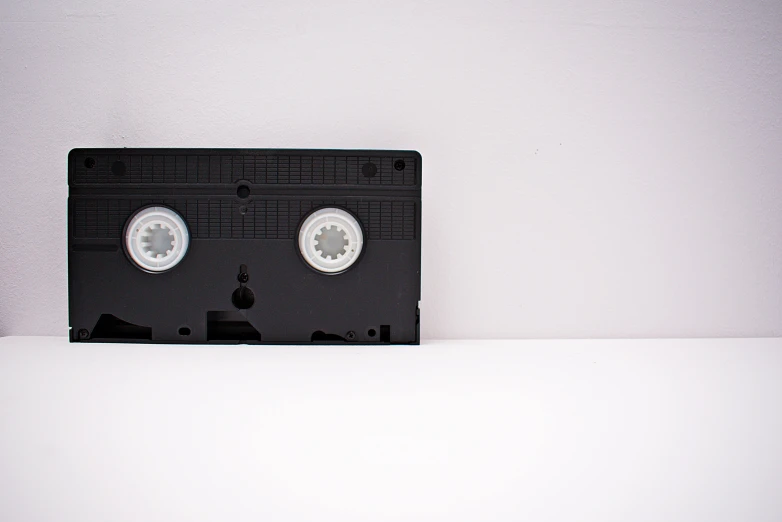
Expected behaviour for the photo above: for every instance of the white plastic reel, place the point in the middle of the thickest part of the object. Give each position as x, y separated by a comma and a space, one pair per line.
330, 240
156, 239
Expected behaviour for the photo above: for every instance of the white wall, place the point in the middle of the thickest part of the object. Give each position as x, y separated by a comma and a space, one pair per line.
603, 168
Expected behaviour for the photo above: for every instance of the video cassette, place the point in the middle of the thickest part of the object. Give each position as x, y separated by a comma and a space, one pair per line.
256, 246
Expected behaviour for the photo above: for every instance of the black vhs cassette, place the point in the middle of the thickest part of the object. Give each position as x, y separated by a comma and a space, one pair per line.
244, 246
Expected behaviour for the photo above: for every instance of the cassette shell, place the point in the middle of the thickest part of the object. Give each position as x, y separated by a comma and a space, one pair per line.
372, 298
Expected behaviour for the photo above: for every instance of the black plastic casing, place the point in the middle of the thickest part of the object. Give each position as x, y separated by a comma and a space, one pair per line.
236, 236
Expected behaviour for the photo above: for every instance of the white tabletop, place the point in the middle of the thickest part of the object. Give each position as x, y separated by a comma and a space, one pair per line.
657, 430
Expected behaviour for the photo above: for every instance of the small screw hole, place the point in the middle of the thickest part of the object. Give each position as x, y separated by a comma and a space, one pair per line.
369, 170
184, 331
371, 332
399, 164
89, 163
118, 168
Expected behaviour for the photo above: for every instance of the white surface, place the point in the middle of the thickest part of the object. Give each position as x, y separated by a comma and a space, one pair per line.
503, 431
591, 169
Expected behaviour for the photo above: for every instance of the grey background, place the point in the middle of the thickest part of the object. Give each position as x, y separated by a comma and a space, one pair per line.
607, 169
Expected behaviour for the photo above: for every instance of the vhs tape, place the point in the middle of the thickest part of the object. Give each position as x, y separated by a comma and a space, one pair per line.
256, 246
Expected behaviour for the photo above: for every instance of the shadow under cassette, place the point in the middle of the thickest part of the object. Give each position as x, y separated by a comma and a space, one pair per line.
244, 246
